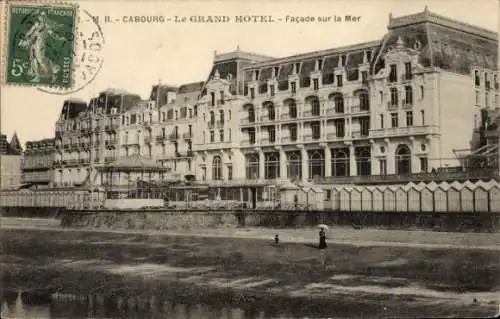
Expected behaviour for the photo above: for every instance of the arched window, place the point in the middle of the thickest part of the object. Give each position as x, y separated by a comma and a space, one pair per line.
217, 168
408, 95
403, 159
315, 106
271, 165
340, 163
252, 166
271, 111
292, 109
364, 101
251, 115
363, 161
316, 164
338, 101
294, 165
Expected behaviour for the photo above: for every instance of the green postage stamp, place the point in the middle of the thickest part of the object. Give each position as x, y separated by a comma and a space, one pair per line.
40, 44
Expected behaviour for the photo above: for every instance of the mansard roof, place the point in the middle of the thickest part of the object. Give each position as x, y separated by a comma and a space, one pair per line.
442, 42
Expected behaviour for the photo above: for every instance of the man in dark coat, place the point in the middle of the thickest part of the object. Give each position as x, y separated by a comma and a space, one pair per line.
322, 239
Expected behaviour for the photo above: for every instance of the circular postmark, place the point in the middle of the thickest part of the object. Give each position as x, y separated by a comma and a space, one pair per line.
88, 57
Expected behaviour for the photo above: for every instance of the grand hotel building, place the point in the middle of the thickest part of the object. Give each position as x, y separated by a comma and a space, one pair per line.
398, 105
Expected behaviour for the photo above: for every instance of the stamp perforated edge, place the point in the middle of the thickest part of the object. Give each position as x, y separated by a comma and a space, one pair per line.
5, 47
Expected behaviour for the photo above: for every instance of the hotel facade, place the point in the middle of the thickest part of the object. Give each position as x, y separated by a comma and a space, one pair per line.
397, 106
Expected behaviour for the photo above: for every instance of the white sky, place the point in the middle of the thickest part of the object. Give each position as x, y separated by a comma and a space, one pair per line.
136, 56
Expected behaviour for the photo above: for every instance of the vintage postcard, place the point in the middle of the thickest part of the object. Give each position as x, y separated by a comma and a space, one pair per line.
249, 159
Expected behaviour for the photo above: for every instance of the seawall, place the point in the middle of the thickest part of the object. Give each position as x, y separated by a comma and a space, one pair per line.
183, 219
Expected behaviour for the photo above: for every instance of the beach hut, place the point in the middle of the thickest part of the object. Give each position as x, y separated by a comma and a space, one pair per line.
401, 200
390, 199
467, 198
367, 199
378, 198
480, 199
356, 199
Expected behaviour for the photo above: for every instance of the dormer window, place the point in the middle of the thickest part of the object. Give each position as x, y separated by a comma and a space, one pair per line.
297, 68
369, 55
256, 75
212, 98
320, 64
344, 58
477, 80
393, 75
276, 71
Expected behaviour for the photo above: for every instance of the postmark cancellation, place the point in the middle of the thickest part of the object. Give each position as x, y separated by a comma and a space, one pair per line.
40, 43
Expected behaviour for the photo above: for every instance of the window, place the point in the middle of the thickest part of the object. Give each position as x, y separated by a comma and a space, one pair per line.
316, 132
217, 168
229, 115
364, 77
315, 107
409, 118
408, 95
212, 136
364, 102
251, 115
221, 135
339, 104
316, 84
496, 100
393, 75
221, 115
477, 80
271, 165
364, 124
477, 98
394, 96
422, 115
212, 98
252, 93
394, 119
293, 132
163, 116
320, 64
229, 139
293, 110
408, 74
271, 112
339, 80
176, 146
230, 172
381, 120
486, 100
190, 130
252, 166
340, 127
204, 138
383, 166
222, 97
272, 134
294, 165
316, 164
343, 60
251, 135
293, 87
271, 89
212, 118
424, 164
381, 96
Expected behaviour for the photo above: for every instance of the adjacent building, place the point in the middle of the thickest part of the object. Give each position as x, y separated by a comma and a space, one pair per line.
396, 106
38, 162
10, 162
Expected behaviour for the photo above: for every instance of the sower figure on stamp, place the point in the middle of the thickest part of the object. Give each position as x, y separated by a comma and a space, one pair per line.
35, 41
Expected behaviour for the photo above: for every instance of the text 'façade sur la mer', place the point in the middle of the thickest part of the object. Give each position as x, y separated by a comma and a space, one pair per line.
223, 19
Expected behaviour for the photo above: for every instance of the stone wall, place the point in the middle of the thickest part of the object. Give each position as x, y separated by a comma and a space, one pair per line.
182, 219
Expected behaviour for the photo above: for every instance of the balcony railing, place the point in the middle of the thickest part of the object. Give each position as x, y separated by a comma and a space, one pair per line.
110, 143
392, 106
148, 139
187, 136
360, 108
407, 104
220, 123
334, 137
211, 125
360, 134
111, 127
109, 159
160, 138
173, 137
402, 131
